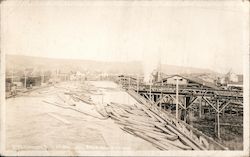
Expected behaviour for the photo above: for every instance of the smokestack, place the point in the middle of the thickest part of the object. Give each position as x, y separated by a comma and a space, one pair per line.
159, 69
151, 63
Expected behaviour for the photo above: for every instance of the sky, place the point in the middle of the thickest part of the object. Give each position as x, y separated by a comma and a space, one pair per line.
202, 35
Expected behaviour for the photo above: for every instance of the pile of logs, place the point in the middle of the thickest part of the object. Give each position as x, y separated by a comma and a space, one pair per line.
78, 93
139, 121
80, 97
72, 98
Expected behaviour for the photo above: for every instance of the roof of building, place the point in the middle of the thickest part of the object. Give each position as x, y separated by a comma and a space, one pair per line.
235, 83
195, 79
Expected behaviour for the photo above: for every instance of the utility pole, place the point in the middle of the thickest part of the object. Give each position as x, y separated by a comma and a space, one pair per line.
137, 84
177, 99
161, 94
200, 105
150, 84
129, 82
185, 110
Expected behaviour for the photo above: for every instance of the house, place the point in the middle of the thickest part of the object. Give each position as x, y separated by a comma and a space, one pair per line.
231, 77
131, 79
16, 81
173, 79
80, 76
236, 85
76, 76
32, 81
231, 81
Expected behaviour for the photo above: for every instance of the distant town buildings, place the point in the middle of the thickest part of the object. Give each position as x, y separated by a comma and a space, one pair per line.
231, 81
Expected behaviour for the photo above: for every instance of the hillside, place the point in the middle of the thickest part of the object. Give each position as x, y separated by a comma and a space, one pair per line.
19, 63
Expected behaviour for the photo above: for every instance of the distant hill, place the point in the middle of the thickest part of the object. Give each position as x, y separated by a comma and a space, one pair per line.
65, 65
19, 62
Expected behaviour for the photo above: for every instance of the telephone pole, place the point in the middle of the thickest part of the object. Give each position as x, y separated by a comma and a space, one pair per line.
177, 99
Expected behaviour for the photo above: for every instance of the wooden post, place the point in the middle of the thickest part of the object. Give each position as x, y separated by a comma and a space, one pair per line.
161, 94
150, 96
200, 104
177, 98
185, 110
203, 104
129, 83
218, 119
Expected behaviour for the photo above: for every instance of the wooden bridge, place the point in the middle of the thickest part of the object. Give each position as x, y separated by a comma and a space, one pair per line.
185, 97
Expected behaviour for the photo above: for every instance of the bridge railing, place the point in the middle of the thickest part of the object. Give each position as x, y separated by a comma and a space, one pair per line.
187, 90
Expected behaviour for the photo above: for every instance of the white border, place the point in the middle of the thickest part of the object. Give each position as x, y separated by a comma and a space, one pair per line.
246, 57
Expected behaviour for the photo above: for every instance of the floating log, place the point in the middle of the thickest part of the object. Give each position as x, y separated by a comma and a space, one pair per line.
114, 113
128, 131
125, 123
84, 100
119, 111
153, 133
108, 110
134, 121
162, 136
151, 140
165, 130
150, 114
142, 119
183, 139
101, 110
138, 112
144, 129
176, 143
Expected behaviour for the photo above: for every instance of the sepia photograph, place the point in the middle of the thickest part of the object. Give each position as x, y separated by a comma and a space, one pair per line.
124, 78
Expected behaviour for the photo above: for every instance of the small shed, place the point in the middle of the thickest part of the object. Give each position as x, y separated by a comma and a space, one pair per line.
187, 81
173, 79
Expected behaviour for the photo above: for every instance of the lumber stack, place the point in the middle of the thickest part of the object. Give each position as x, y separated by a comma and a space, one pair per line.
170, 121
139, 121
73, 97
